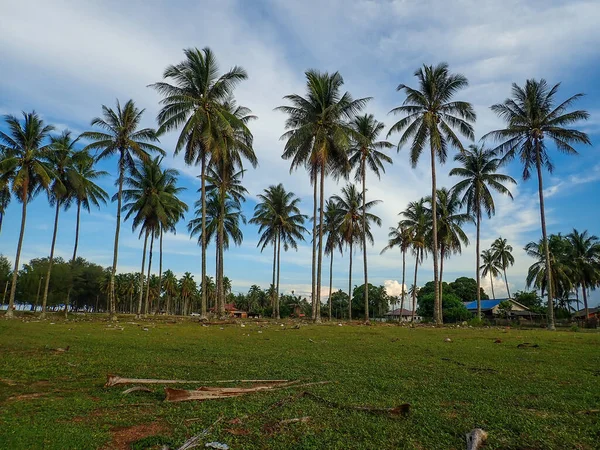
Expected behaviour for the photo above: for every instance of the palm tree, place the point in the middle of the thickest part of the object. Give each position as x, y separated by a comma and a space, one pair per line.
400, 236
531, 116
432, 116
585, 254
279, 220
171, 289
152, 198
318, 137
502, 253
24, 166
5, 198
479, 166
350, 206
187, 286
490, 266
366, 153
121, 135
196, 103
334, 241
415, 219
60, 159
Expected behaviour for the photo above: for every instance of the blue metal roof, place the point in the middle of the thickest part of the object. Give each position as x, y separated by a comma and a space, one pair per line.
485, 304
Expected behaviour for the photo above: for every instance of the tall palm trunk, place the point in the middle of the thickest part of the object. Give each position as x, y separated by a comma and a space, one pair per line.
403, 283
350, 285
220, 290
414, 294
314, 248
364, 239
320, 256
203, 199
274, 274
330, 282
51, 260
141, 296
147, 302
112, 302
551, 325
585, 302
160, 260
492, 284
436, 317
441, 304
77, 220
13, 285
506, 281
477, 260
5, 291
278, 270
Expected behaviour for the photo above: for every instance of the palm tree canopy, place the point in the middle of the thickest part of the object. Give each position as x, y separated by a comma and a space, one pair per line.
399, 236
451, 236
585, 254
82, 178
490, 264
62, 157
365, 146
416, 220
561, 265
531, 115
350, 204
503, 253
24, 152
332, 222
479, 166
430, 114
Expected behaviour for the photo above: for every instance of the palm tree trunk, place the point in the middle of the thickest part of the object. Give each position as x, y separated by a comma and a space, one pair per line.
350, 286
160, 260
330, 282
477, 260
50, 261
403, 283
364, 240
320, 256
141, 296
220, 291
441, 304
112, 302
414, 294
506, 281
146, 303
314, 248
437, 319
551, 325
492, 284
13, 285
78, 217
274, 274
5, 291
278, 271
585, 302
203, 199
221, 279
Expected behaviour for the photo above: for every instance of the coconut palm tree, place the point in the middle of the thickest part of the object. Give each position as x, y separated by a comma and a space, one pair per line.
171, 289
585, 254
5, 198
431, 116
400, 236
194, 100
503, 254
333, 242
121, 135
350, 205
187, 287
533, 120
479, 169
318, 137
279, 220
365, 153
24, 151
151, 197
490, 265
415, 218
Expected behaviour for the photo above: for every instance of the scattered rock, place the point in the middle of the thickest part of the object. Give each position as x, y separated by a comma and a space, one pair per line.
447, 340
145, 329
498, 341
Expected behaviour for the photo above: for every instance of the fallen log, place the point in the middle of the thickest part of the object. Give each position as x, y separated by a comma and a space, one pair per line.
136, 388
114, 380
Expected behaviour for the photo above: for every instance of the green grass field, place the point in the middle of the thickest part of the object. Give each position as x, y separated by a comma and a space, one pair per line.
535, 398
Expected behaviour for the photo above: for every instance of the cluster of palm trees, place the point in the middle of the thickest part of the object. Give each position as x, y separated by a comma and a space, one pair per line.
329, 135
496, 260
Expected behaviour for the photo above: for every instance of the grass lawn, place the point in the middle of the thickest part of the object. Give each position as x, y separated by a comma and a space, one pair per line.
523, 397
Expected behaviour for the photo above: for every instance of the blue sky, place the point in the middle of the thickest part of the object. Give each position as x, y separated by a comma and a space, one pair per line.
66, 58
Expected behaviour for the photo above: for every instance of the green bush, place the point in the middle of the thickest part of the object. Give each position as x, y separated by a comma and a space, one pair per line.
453, 308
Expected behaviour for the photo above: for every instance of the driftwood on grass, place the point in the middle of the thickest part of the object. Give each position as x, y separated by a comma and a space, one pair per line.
114, 380
137, 388
295, 420
476, 438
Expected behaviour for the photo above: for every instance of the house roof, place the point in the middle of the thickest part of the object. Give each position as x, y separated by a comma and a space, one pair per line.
581, 312
487, 305
399, 312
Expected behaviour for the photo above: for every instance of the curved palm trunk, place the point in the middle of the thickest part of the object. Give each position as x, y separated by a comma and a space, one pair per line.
545, 239
403, 283
585, 301
147, 301
478, 262
436, 317
314, 248
278, 270
330, 282
350, 286
112, 302
203, 199
78, 217
50, 261
141, 296
320, 257
506, 281
414, 294
13, 285
364, 240
492, 284
160, 261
